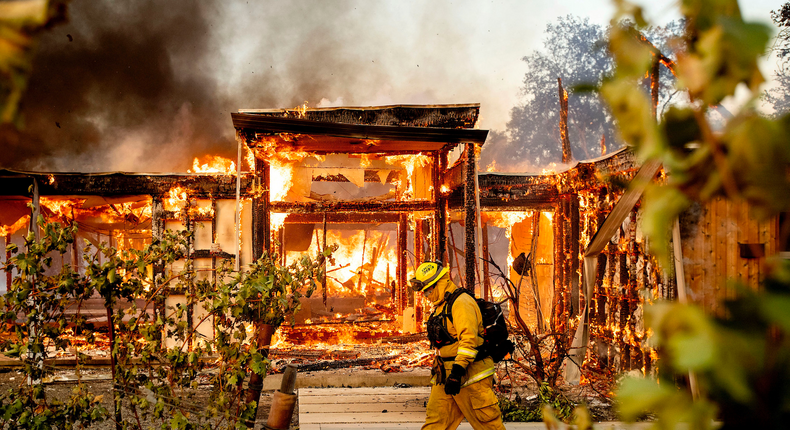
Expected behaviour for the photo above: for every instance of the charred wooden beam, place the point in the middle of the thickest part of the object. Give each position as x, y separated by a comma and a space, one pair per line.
341, 206
441, 116
121, 184
343, 218
528, 190
470, 219
339, 364
355, 138
207, 253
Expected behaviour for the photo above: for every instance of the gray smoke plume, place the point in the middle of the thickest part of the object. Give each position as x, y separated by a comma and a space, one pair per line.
146, 86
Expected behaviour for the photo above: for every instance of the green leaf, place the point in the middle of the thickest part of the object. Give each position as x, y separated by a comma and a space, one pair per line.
639, 395
634, 114
663, 204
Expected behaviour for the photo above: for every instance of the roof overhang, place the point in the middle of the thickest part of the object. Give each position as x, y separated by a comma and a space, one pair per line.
295, 134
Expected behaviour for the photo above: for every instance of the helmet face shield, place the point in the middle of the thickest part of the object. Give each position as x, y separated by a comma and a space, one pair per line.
416, 285
427, 274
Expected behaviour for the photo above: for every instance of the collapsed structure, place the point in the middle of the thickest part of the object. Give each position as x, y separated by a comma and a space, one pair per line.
381, 183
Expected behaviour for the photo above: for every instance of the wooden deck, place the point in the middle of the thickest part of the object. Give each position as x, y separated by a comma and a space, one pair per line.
322, 408
386, 408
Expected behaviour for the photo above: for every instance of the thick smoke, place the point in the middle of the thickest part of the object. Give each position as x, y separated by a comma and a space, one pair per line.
140, 86
120, 86
146, 86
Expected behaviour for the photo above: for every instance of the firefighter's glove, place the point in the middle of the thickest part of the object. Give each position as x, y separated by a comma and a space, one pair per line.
453, 384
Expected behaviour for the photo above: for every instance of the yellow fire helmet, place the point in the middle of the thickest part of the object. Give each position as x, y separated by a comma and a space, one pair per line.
427, 274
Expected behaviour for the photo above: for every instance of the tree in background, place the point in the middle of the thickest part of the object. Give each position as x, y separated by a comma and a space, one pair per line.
575, 51
778, 97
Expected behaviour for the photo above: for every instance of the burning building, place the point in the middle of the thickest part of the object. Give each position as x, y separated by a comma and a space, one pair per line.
393, 186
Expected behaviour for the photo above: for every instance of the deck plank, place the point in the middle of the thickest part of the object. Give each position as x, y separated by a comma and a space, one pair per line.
362, 407
324, 406
362, 417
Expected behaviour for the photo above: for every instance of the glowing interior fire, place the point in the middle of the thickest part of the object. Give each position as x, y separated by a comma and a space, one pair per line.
214, 164
365, 260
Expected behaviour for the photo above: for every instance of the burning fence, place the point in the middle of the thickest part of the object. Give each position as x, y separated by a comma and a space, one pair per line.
379, 183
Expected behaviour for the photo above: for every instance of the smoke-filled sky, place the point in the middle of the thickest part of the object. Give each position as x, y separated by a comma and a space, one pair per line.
146, 86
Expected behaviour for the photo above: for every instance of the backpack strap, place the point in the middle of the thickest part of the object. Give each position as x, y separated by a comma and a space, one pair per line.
450, 300
447, 311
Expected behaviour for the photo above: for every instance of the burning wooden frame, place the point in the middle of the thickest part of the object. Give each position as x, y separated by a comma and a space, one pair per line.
404, 148
409, 200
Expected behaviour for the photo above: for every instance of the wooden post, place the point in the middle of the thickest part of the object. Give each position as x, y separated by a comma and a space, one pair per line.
557, 310
441, 212
625, 311
654, 85
471, 217
418, 235
263, 339
9, 274
403, 226
117, 400
34, 326
323, 260
565, 140
487, 293
573, 248
682, 294
157, 233
240, 142
260, 211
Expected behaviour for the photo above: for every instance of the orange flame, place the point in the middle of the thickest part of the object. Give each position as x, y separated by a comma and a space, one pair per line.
13, 228
176, 199
214, 164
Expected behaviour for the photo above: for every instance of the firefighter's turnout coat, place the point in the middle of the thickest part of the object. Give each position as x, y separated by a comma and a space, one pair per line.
476, 401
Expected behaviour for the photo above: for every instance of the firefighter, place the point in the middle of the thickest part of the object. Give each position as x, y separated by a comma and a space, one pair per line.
462, 380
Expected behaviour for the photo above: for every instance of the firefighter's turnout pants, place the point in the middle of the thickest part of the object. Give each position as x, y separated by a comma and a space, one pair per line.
477, 402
